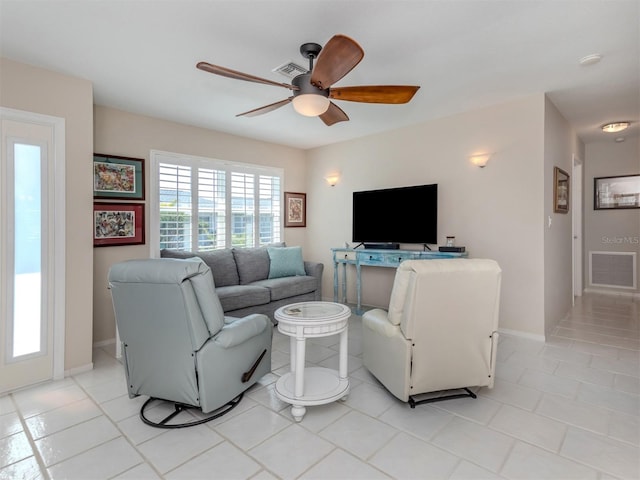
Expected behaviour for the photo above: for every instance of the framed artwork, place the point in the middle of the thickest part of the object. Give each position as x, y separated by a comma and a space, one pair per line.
118, 224
560, 191
295, 209
118, 178
619, 192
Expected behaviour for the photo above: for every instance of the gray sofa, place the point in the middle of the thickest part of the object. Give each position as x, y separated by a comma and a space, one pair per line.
241, 277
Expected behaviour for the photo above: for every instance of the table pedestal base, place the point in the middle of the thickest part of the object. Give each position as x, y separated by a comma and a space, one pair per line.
321, 385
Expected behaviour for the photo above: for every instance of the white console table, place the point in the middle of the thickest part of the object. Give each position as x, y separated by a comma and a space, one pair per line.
375, 258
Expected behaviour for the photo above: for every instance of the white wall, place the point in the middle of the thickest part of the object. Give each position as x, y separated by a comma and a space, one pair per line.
611, 230
496, 212
131, 135
36, 90
560, 145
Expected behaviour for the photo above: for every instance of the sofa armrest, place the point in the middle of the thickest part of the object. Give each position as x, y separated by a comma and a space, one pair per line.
315, 269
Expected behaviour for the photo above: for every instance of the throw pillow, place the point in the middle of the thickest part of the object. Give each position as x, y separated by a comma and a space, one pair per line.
252, 263
285, 262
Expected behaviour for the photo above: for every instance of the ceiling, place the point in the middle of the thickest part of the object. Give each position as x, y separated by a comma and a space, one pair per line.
140, 56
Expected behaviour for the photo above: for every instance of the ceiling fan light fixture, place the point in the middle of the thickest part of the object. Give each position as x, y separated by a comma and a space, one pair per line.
310, 104
615, 127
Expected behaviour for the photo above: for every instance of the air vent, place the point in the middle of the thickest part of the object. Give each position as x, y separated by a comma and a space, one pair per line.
290, 70
613, 269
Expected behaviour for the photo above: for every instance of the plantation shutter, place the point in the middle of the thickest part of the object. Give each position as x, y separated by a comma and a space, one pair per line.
207, 204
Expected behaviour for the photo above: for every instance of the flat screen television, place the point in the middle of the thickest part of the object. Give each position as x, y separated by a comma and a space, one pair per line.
396, 215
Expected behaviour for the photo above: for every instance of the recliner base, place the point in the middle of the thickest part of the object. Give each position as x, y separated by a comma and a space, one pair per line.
180, 407
413, 402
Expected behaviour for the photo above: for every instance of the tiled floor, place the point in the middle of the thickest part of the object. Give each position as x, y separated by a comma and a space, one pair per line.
565, 409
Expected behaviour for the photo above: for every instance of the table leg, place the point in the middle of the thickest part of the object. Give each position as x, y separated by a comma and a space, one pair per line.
343, 364
298, 411
344, 283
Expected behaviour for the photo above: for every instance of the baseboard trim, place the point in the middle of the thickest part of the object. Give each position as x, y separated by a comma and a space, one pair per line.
517, 333
77, 370
613, 293
104, 343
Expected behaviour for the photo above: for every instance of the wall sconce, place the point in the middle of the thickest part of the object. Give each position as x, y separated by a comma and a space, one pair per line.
332, 179
480, 160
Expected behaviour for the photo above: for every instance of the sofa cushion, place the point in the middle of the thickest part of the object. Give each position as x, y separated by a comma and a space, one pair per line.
286, 287
252, 264
285, 262
234, 297
221, 262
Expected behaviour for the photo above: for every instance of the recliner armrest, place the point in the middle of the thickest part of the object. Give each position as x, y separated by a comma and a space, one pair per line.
242, 329
377, 321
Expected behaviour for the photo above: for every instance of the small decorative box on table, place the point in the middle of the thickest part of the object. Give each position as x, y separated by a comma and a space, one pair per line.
315, 385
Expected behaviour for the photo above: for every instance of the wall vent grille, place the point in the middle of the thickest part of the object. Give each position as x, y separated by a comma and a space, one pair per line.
290, 70
612, 269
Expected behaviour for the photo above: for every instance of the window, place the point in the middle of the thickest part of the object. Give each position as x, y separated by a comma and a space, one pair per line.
203, 204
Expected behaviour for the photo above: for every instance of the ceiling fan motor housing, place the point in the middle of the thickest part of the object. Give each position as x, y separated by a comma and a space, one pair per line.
303, 82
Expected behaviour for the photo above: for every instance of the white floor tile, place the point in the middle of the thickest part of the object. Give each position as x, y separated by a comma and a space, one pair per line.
513, 394
424, 421
583, 373
369, 399
139, 472
252, 427
99, 461
476, 443
625, 427
9, 424
405, 455
14, 448
533, 463
291, 451
588, 417
469, 471
222, 461
602, 453
74, 440
339, 464
64, 417
27, 469
609, 398
480, 410
359, 434
529, 427
48, 397
549, 383
176, 446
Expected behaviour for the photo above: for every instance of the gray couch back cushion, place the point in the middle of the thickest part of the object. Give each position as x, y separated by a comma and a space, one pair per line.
221, 262
252, 263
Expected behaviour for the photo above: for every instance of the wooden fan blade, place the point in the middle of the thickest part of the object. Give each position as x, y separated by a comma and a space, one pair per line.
375, 93
227, 72
334, 114
336, 59
266, 109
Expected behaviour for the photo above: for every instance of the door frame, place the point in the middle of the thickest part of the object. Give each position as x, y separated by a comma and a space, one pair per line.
576, 228
58, 250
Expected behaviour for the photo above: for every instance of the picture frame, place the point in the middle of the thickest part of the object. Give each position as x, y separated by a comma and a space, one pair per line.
118, 178
295, 209
117, 224
561, 190
618, 192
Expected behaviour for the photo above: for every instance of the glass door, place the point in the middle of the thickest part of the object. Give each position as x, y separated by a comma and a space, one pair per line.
27, 262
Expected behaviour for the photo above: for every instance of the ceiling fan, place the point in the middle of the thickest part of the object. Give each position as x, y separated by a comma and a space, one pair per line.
312, 91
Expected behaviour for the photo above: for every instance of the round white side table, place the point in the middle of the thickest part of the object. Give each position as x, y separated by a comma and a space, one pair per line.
302, 386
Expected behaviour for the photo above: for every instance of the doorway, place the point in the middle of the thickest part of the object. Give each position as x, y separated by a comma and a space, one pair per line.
32, 251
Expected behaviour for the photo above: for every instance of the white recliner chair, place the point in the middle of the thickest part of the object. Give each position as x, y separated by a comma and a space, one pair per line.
440, 332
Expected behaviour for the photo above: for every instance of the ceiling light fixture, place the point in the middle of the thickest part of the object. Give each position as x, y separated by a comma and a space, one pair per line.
615, 127
310, 104
308, 100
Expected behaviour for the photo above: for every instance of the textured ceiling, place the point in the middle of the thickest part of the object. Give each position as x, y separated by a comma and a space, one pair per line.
465, 54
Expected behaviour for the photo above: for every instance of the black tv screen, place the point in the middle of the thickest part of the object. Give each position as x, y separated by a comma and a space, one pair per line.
396, 215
